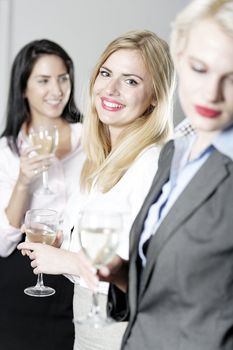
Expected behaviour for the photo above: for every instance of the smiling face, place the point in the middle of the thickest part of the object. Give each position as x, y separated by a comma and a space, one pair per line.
122, 90
205, 69
48, 89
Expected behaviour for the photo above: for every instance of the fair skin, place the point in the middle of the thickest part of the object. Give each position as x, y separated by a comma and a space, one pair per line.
122, 91
205, 69
47, 92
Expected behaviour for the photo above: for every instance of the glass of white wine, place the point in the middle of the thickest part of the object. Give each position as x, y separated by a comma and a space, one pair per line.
47, 138
41, 227
99, 233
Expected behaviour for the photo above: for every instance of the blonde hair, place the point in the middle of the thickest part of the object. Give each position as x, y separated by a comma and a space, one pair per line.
220, 11
106, 165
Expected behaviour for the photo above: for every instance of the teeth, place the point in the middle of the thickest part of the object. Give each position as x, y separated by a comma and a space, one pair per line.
53, 102
111, 105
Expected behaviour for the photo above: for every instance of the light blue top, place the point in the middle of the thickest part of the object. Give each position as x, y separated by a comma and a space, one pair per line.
182, 171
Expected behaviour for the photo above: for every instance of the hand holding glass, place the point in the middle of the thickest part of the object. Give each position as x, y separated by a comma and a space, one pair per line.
47, 139
99, 233
41, 227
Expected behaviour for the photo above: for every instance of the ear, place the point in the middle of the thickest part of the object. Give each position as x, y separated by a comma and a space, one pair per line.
153, 102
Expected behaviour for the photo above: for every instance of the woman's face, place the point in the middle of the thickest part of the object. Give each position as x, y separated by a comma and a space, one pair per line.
48, 88
205, 70
122, 90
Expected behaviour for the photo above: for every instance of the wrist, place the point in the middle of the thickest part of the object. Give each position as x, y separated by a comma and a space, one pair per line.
21, 186
70, 263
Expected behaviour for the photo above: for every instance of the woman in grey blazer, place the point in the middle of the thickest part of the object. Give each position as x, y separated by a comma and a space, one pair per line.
180, 284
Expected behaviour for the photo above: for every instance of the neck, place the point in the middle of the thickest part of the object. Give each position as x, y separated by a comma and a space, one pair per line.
203, 140
46, 121
114, 134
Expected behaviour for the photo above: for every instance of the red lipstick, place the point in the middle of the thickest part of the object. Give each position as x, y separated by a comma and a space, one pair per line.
207, 112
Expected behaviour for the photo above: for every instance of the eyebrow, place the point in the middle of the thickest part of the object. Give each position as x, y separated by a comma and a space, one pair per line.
196, 59
124, 74
48, 76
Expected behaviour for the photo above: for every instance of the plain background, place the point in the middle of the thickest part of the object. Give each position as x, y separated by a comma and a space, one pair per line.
83, 28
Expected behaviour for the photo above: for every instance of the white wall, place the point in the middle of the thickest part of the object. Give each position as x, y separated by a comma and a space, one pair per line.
83, 28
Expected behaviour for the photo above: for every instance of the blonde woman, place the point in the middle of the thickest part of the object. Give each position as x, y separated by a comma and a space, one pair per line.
129, 119
180, 286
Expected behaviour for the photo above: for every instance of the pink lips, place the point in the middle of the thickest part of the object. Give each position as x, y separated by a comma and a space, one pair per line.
111, 105
207, 112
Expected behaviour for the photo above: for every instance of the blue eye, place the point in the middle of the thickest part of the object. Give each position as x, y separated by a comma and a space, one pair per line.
104, 73
132, 82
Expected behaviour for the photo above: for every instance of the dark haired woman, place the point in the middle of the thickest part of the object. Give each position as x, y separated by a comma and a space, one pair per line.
41, 94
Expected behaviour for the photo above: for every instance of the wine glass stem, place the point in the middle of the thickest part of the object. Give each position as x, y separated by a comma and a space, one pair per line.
95, 304
40, 282
45, 179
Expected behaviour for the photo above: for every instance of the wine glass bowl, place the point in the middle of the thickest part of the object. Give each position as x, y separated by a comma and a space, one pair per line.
41, 227
99, 235
45, 137
46, 141
40, 233
99, 244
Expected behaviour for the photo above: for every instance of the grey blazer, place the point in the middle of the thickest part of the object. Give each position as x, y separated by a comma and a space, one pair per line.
183, 299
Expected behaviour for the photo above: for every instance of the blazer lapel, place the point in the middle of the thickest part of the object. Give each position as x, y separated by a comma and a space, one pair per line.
201, 186
160, 178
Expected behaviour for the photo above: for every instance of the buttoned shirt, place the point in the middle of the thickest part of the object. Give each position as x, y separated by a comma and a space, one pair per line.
63, 177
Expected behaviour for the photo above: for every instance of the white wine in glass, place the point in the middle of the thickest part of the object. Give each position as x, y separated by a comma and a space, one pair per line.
47, 139
99, 233
41, 227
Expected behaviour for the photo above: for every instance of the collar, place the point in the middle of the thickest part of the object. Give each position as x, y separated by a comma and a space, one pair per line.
224, 142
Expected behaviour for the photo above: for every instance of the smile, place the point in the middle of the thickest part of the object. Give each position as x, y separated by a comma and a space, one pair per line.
53, 102
111, 105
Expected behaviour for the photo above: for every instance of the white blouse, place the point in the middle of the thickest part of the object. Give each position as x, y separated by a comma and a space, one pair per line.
63, 178
127, 196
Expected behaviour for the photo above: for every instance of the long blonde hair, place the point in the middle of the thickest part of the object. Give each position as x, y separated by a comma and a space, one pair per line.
220, 11
106, 165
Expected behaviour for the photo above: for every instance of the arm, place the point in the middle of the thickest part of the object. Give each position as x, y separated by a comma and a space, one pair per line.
30, 168
15, 196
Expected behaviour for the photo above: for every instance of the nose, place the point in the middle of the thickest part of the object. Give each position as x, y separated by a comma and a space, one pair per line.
213, 90
56, 88
113, 87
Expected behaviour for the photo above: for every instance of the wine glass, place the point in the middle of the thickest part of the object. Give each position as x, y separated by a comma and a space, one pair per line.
41, 227
99, 233
47, 138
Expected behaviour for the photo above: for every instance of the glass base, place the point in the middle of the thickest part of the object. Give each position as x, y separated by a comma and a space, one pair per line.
95, 321
39, 291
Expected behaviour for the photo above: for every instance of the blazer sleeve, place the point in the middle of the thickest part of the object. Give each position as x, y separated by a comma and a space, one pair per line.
117, 305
